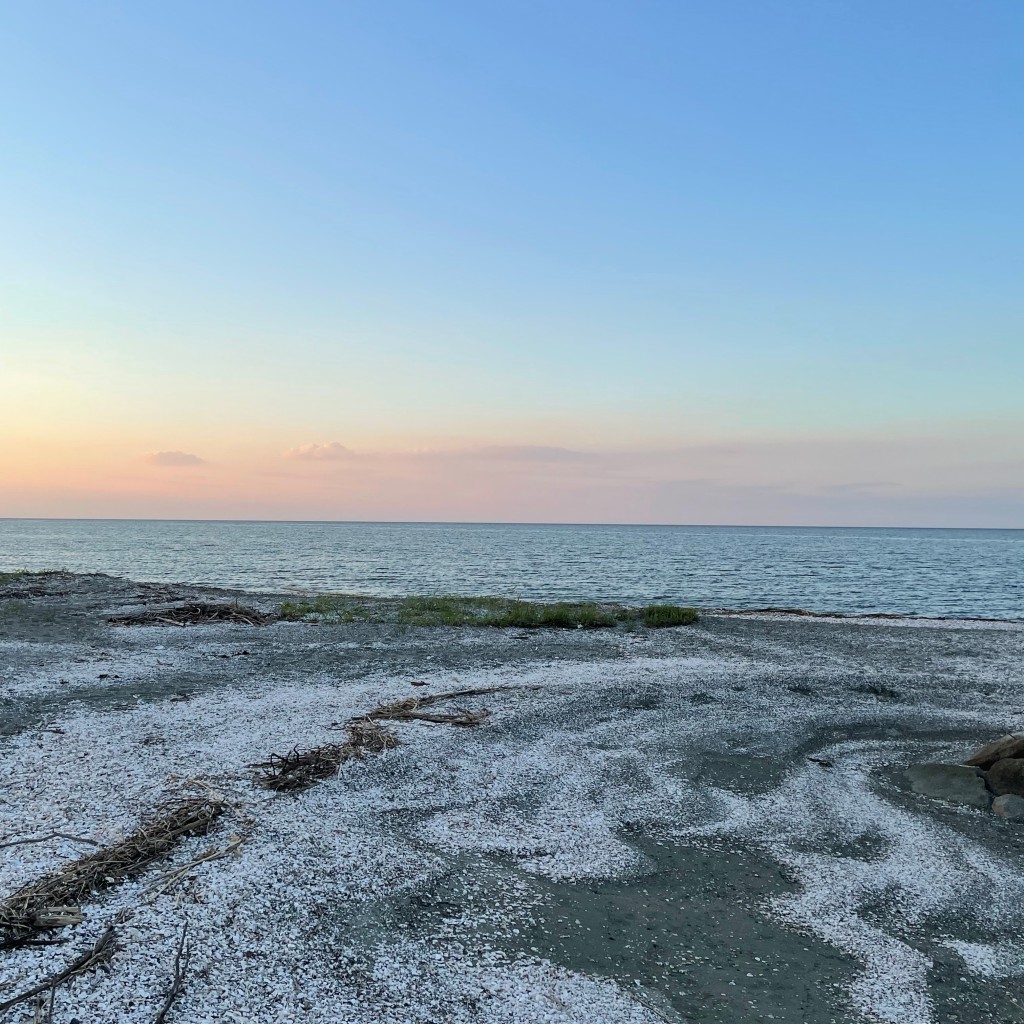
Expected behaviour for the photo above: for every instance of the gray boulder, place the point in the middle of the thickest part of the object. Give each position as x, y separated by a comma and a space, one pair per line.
954, 783
1011, 745
1007, 776
1009, 807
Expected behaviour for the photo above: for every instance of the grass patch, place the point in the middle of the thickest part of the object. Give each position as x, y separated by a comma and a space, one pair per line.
563, 615
329, 608
453, 610
661, 616
503, 613
10, 575
449, 610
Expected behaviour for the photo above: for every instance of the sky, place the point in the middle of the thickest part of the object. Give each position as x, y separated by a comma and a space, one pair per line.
750, 261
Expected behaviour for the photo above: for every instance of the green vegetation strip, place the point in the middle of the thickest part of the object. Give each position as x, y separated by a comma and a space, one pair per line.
499, 612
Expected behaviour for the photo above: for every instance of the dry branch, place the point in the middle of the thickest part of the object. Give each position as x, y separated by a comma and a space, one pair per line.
171, 878
50, 902
97, 954
181, 959
411, 708
47, 838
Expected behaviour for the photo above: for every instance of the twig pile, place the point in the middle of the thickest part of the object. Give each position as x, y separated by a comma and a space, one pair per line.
194, 614
409, 710
51, 902
299, 769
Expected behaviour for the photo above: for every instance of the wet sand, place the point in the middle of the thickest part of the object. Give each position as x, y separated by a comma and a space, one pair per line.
644, 837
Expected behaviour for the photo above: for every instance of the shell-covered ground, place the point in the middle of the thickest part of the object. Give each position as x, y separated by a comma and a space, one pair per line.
706, 823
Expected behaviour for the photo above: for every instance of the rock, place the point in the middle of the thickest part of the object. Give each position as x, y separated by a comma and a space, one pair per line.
1009, 807
1007, 776
954, 783
1011, 745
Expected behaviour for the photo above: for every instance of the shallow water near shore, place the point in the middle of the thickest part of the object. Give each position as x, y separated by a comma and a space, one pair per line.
905, 571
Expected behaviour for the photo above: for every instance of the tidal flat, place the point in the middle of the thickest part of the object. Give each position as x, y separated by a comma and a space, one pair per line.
706, 822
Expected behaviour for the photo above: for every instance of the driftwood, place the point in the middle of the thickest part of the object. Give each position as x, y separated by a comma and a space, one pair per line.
47, 838
51, 902
181, 960
194, 614
97, 955
299, 769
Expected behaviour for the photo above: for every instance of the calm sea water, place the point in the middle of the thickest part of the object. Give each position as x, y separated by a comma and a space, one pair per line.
932, 572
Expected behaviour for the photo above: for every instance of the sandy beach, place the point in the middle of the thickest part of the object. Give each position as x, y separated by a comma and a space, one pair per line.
703, 823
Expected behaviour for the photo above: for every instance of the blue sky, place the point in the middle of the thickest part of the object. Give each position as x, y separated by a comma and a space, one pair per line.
234, 230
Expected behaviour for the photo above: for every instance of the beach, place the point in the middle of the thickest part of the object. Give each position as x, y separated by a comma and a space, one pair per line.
709, 822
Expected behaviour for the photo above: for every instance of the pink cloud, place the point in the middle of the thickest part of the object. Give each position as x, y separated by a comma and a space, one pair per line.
320, 452
174, 459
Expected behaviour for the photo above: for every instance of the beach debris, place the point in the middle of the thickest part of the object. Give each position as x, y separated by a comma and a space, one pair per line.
170, 878
97, 955
1006, 777
1010, 807
47, 838
409, 707
952, 783
299, 769
51, 902
1010, 745
411, 710
182, 957
195, 613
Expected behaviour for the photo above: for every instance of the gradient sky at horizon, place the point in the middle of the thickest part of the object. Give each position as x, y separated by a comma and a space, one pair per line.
736, 262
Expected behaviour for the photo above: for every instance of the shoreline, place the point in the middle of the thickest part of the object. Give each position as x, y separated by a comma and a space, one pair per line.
9, 590
660, 786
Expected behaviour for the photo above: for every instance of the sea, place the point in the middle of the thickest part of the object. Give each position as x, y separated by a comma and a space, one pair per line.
976, 573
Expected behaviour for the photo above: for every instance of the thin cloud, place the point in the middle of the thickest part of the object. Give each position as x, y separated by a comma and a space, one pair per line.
174, 459
320, 452
529, 453
334, 450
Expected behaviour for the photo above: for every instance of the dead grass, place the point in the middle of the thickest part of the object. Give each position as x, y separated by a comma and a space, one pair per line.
51, 902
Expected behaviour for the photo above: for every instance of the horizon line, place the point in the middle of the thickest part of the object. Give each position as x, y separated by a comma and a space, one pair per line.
483, 522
